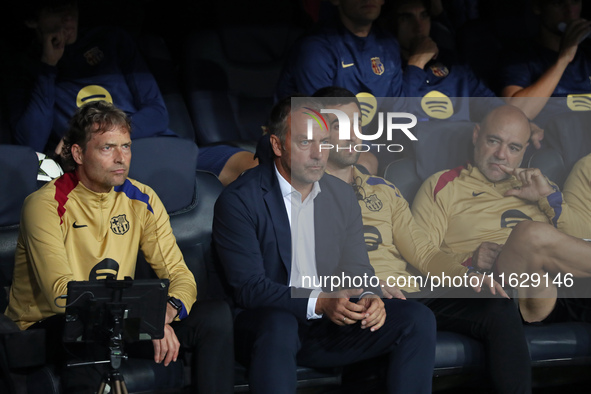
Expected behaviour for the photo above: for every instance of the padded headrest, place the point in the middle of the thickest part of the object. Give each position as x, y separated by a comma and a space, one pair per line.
256, 44
213, 116
570, 135
551, 163
167, 165
19, 179
442, 145
250, 57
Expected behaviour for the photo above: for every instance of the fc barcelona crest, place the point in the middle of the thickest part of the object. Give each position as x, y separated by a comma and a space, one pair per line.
119, 224
373, 203
94, 56
439, 70
377, 66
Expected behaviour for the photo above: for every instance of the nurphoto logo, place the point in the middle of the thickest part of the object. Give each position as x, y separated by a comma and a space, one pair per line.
392, 124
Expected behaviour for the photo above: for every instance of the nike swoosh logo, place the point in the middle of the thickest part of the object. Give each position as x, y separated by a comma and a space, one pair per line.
79, 225
346, 65
474, 194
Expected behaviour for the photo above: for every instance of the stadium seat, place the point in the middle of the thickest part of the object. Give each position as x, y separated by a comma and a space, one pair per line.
249, 57
551, 163
569, 134
216, 117
229, 78
19, 179
22, 353
167, 164
403, 173
160, 63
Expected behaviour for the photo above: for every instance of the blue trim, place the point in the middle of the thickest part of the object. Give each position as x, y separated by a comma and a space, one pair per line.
183, 313
374, 180
133, 193
555, 201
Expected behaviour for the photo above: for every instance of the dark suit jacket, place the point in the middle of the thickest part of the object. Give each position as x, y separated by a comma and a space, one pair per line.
252, 238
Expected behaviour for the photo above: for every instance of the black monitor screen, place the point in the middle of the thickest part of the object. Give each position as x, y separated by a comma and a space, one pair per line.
92, 306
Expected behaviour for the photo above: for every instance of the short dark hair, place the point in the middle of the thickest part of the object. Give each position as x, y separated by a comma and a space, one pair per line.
91, 118
277, 122
332, 96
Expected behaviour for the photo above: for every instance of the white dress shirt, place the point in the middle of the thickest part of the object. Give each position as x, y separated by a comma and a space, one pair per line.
303, 245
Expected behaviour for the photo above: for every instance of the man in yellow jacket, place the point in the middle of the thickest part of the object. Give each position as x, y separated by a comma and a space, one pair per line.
518, 209
89, 224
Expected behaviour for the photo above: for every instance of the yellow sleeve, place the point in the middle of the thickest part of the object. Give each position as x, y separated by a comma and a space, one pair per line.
577, 194
415, 245
163, 254
430, 213
42, 238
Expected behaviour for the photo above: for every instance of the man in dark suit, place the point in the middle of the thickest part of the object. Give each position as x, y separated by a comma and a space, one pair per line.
279, 322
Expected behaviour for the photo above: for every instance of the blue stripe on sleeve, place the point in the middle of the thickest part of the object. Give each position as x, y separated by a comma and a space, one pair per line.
374, 180
133, 193
555, 201
183, 313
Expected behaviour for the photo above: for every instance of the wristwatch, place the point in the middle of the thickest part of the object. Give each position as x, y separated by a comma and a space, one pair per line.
477, 270
176, 304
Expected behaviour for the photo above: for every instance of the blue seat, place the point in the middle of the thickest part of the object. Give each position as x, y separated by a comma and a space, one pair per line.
229, 76
570, 135
551, 163
19, 179
248, 58
160, 63
22, 353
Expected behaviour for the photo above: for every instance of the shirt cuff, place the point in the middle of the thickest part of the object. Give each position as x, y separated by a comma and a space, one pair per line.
311, 314
551, 205
183, 312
